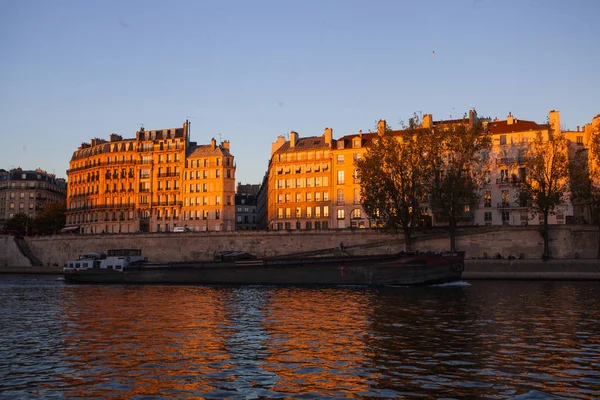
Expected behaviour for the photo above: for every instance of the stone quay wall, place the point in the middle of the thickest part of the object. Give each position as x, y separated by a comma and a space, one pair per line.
566, 242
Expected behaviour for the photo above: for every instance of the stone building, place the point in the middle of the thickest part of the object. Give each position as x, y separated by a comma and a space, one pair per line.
27, 191
246, 207
154, 182
299, 182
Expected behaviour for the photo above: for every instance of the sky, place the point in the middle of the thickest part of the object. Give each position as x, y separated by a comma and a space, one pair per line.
250, 71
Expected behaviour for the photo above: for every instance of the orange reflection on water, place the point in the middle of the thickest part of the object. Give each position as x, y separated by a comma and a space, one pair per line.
141, 341
319, 341
128, 341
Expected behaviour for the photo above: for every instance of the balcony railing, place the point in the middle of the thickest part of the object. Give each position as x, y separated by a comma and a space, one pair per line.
508, 181
509, 160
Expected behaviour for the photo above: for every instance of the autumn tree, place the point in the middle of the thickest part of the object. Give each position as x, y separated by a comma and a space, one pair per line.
459, 172
393, 176
584, 171
51, 219
544, 186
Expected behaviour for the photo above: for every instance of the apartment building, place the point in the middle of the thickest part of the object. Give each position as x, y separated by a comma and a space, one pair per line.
28, 192
246, 207
154, 182
579, 140
299, 182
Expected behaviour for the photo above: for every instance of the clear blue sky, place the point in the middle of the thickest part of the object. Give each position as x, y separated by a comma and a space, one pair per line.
252, 70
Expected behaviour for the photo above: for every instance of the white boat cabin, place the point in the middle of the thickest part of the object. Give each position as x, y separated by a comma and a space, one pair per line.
115, 259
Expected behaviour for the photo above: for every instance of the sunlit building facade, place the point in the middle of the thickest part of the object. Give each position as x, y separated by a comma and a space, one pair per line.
154, 182
299, 182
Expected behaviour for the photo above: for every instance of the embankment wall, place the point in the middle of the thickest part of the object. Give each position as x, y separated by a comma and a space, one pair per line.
566, 242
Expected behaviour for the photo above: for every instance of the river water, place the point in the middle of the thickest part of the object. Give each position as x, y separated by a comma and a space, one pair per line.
495, 340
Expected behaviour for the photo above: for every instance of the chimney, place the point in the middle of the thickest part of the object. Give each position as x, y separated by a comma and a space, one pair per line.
328, 135
381, 127
427, 121
554, 119
472, 117
213, 143
226, 144
360, 134
510, 119
293, 138
577, 128
276, 145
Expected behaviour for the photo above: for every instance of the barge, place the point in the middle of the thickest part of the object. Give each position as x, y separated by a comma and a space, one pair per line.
128, 266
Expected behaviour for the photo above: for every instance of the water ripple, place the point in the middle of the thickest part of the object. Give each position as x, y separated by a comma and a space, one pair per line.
486, 340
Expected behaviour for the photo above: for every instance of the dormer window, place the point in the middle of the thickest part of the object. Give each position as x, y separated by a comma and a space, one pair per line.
340, 144
356, 142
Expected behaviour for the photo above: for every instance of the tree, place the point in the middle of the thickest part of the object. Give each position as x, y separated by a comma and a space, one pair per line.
459, 173
584, 171
20, 222
393, 175
544, 186
51, 219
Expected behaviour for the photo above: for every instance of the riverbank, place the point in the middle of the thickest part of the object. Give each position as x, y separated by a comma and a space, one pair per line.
532, 270
567, 270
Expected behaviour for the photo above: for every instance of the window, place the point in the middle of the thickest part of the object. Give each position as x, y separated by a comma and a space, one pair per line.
217, 214
505, 217
326, 211
317, 212
279, 200
340, 197
356, 213
218, 173
280, 213
356, 142
288, 212
487, 198
298, 212
502, 139
218, 200
317, 196
298, 197
340, 158
325, 196
309, 196
340, 177
579, 139
487, 216
308, 212
341, 214
356, 195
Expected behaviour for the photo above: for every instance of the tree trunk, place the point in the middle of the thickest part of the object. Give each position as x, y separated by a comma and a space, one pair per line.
546, 236
598, 255
452, 231
407, 241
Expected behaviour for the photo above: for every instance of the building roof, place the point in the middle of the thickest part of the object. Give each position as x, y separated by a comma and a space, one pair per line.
307, 143
206, 150
19, 174
498, 127
367, 139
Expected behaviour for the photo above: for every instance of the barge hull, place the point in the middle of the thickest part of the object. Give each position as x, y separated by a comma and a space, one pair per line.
367, 271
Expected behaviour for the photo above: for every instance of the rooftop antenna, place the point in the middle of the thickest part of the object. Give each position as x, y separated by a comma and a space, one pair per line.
220, 138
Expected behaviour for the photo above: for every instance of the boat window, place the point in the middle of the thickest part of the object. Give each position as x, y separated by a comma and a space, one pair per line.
77, 265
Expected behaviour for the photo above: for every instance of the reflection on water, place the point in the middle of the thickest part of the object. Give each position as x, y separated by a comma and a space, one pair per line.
487, 339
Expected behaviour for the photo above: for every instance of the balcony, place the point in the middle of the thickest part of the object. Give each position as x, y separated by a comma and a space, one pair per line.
509, 160
508, 181
168, 175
